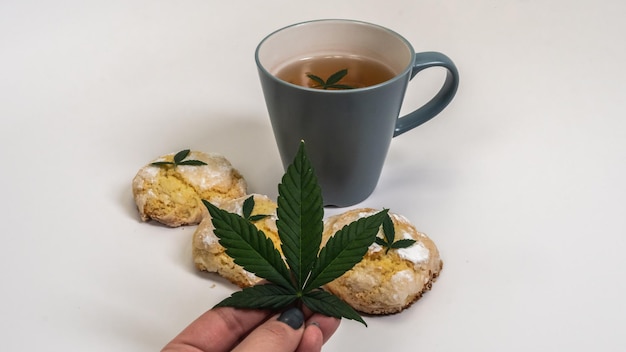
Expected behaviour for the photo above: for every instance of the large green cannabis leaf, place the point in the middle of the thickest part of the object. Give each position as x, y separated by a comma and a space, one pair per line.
299, 277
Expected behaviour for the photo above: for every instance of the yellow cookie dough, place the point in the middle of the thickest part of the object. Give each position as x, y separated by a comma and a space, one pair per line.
209, 255
172, 194
386, 283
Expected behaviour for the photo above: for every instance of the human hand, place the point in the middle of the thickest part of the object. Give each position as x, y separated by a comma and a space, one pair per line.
229, 329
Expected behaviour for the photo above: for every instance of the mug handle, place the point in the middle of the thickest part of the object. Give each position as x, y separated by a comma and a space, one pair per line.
438, 102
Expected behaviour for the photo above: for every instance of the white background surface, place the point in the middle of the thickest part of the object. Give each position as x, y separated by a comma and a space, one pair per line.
520, 181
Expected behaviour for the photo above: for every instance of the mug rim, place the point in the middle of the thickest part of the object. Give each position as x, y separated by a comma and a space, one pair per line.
398, 76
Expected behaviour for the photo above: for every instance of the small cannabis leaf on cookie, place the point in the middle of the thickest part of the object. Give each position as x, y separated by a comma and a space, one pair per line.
307, 268
332, 82
248, 206
179, 160
390, 234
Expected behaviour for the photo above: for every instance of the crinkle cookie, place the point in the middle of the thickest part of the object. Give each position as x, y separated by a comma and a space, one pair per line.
386, 282
172, 194
209, 255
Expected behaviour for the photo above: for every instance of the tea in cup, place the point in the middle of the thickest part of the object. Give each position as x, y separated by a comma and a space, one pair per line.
339, 86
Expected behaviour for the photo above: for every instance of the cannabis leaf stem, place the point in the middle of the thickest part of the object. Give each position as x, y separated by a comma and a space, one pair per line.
297, 279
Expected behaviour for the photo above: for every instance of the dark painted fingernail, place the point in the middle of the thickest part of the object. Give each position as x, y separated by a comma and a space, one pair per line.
292, 317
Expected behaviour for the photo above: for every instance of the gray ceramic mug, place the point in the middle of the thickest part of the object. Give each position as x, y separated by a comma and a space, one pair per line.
347, 132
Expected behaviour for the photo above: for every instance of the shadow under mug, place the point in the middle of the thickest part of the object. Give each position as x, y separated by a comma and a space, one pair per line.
347, 132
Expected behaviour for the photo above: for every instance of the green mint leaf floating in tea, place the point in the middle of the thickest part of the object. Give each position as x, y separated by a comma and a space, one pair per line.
332, 82
179, 159
320, 82
299, 278
390, 235
337, 76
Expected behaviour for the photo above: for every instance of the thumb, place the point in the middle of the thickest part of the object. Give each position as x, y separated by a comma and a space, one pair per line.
279, 334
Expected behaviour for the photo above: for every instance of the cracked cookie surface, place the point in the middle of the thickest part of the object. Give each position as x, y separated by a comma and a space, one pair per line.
172, 194
208, 253
386, 282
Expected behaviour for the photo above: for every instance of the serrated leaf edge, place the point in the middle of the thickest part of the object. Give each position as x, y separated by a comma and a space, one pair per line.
330, 265
330, 305
300, 207
278, 272
264, 296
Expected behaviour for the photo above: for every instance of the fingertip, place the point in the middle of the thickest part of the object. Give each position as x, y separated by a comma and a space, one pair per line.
312, 338
327, 325
218, 329
315, 323
282, 333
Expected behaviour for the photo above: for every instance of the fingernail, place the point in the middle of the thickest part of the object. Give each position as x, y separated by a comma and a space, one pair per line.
292, 317
315, 323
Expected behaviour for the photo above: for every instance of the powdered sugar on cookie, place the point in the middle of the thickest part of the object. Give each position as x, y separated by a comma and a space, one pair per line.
386, 280
416, 253
172, 194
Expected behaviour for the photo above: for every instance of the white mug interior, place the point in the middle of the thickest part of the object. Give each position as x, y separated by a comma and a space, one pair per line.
334, 38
